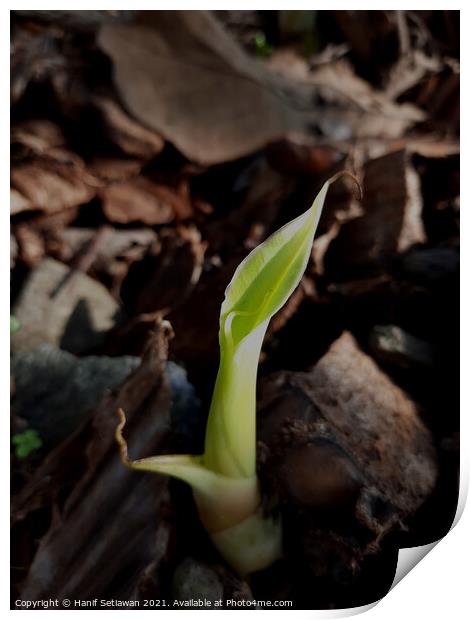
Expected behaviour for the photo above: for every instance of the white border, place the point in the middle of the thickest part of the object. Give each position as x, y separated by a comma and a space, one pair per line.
440, 586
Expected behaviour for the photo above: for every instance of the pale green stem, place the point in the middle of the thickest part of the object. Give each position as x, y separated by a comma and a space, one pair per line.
230, 447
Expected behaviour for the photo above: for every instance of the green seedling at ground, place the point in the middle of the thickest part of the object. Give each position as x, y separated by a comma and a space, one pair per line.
262, 48
14, 324
223, 479
25, 443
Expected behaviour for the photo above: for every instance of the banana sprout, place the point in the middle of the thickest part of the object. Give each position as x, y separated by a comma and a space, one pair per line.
223, 479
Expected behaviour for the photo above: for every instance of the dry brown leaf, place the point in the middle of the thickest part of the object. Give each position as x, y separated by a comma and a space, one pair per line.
39, 136
180, 73
139, 200
31, 245
18, 203
392, 216
167, 274
112, 169
53, 182
48, 224
104, 536
45, 175
132, 137
49, 188
353, 107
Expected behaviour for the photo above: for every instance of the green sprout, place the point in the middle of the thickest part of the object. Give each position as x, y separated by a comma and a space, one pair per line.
262, 48
223, 479
25, 443
14, 324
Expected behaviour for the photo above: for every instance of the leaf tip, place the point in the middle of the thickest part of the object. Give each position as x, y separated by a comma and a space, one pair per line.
346, 173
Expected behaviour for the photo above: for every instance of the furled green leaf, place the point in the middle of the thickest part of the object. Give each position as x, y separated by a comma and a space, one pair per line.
260, 286
267, 277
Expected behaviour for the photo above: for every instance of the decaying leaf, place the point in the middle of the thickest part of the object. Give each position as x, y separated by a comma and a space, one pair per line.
52, 183
354, 108
175, 97
167, 274
18, 203
112, 169
174, 92
36, 137
31, 245
105, 534
132, 138
45, 175
141, 200
391, 221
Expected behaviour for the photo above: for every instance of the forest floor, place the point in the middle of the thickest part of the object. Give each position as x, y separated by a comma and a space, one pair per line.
151, 151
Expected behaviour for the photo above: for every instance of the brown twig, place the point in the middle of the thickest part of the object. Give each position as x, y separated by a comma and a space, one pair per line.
83, 260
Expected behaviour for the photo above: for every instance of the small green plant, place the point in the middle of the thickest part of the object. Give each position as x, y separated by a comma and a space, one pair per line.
14, 324
223, 479
25, 443
262, 48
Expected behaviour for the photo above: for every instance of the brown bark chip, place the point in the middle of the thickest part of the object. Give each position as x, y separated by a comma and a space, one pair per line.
345, 426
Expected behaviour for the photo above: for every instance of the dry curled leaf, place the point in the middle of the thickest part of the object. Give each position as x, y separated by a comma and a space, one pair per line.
31, 245
104, 536
167, 274
391, 221
139, 200
52, 183
36, 137
132, 138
